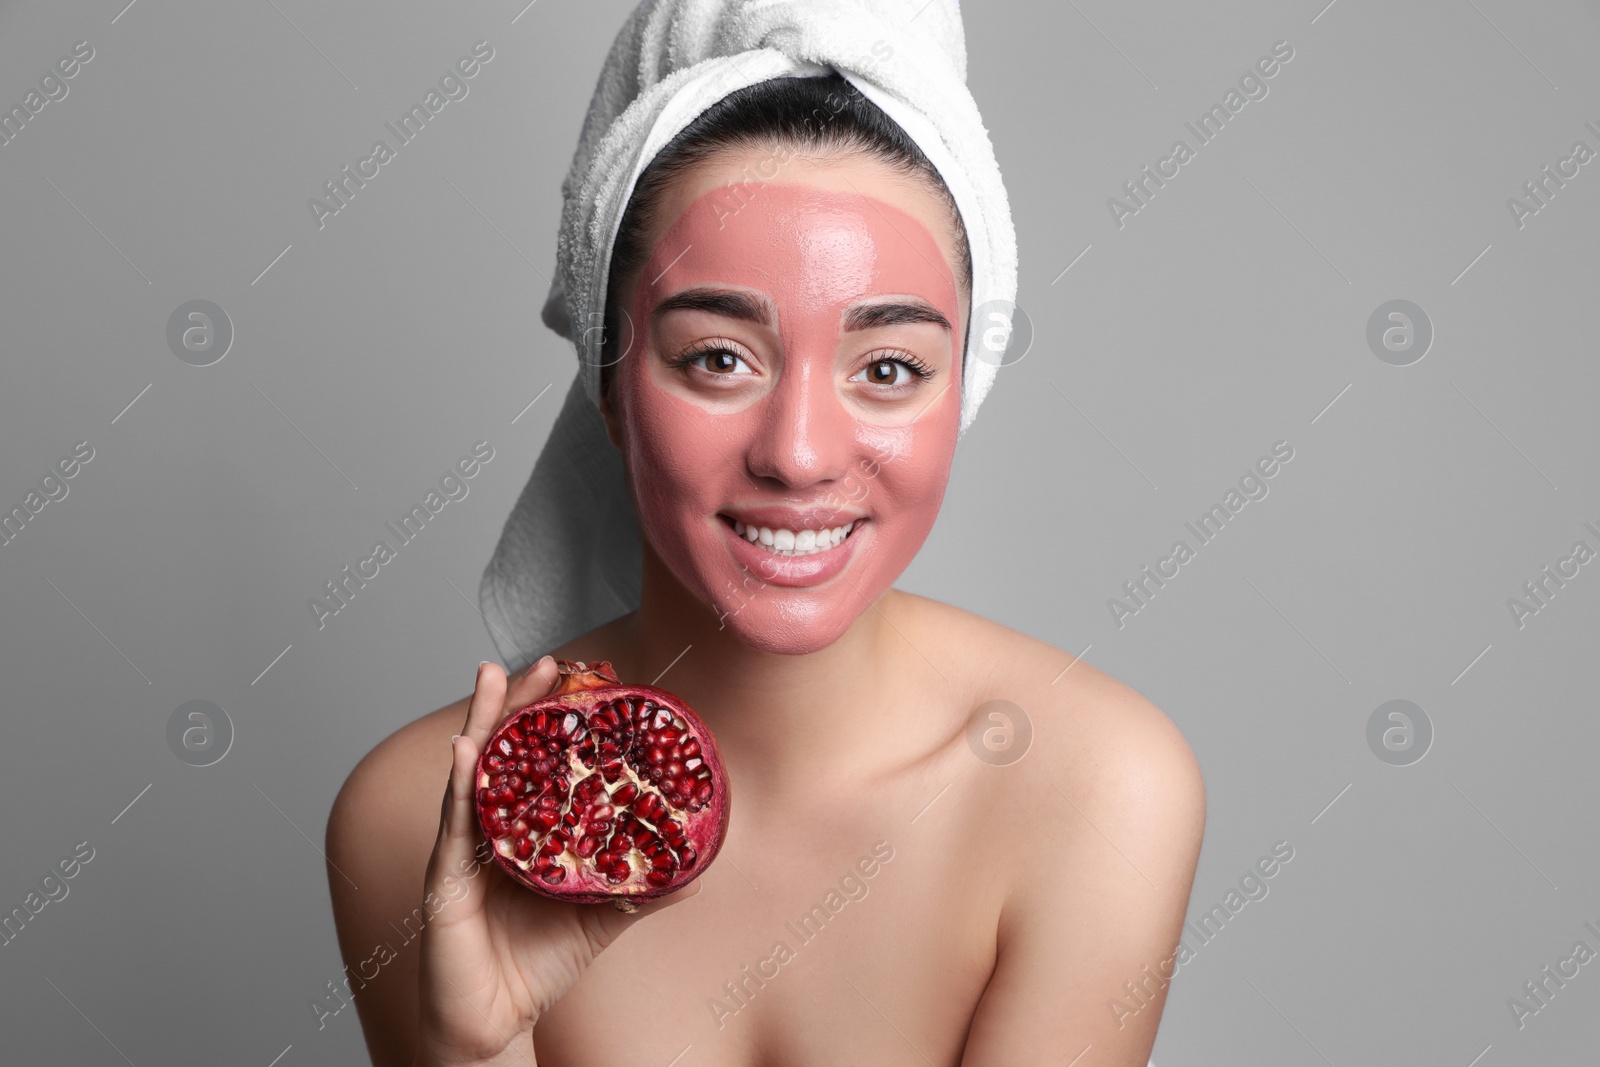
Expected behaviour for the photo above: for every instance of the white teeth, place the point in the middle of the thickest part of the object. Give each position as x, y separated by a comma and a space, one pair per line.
794, 542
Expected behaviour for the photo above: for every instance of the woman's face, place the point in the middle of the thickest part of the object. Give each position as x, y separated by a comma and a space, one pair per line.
792, 372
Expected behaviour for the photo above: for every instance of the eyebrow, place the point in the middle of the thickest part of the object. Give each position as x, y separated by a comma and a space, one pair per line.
733, 304
728, 303
893, 313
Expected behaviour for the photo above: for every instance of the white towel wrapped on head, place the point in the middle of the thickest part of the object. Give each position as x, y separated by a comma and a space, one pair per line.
568, 559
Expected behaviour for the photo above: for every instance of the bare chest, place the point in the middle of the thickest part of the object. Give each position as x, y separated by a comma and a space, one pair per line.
865, 940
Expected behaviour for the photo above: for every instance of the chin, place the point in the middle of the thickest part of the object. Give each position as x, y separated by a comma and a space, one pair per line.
785, 631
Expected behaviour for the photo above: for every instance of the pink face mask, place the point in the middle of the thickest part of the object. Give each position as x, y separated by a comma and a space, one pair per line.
788, 470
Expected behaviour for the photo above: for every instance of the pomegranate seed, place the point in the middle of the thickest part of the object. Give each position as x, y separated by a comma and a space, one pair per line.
658, 783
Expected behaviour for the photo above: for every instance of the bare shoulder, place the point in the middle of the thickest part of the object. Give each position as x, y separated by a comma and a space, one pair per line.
380, 834
390, 783
1095, 738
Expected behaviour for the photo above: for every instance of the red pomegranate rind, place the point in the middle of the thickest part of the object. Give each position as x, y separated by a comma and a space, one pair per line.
603, 792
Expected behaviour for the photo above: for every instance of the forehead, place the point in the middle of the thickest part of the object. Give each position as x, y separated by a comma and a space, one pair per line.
844, 232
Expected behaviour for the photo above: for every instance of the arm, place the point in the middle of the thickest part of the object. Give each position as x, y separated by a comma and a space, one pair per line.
1103, 894
459, 961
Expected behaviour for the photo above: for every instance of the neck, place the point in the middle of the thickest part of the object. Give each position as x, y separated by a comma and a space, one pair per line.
782, 720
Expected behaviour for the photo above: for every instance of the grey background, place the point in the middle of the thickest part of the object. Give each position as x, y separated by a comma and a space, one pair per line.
1228, 314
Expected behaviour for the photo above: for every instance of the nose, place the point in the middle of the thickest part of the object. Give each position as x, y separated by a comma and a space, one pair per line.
804, 434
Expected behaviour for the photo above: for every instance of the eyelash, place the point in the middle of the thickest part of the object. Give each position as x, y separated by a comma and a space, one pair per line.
893, 355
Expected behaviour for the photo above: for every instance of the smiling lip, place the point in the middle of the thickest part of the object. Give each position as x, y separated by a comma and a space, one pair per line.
792, 571
776, 517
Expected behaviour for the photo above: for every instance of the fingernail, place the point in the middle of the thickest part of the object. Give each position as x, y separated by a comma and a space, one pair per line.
482, 663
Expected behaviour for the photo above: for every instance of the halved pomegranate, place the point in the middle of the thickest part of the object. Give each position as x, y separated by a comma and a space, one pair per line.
603, 792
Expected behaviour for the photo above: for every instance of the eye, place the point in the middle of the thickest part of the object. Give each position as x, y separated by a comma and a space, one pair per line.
894, 371
718, 359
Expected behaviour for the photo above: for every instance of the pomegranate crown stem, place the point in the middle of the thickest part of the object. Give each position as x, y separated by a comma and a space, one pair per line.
577, 676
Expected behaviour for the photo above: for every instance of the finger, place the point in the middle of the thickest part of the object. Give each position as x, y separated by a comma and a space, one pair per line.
484, 709
454, 857
535, 683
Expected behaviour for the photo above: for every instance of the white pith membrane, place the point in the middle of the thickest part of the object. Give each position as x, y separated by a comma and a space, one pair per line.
601, 799
783, 542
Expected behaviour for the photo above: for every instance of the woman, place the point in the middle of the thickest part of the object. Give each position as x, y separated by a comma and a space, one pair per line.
786, 355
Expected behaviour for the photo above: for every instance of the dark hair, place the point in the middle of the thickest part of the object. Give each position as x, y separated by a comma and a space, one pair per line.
822, 112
